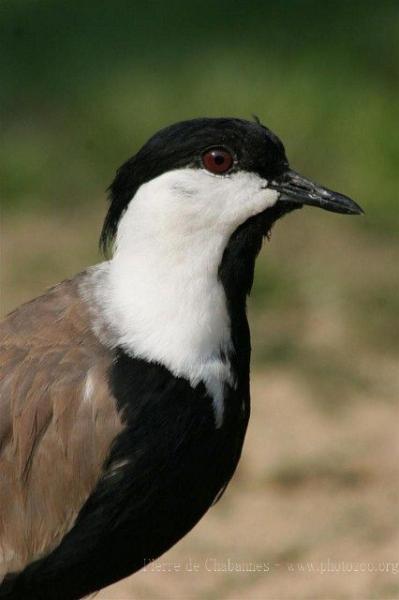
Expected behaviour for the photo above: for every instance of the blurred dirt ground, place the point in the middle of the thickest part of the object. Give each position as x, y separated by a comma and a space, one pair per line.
312, 512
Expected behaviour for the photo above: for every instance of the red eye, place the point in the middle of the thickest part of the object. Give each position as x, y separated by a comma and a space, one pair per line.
217, 160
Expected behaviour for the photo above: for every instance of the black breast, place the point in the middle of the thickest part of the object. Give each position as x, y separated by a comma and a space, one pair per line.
163, 473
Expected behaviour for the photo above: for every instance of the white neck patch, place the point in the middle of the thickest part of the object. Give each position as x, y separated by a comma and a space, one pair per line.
162, 296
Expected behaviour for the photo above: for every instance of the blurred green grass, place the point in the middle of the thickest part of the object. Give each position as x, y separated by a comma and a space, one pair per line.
83, 84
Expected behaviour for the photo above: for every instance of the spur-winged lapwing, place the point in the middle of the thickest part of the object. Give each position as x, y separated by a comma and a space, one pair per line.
125, 390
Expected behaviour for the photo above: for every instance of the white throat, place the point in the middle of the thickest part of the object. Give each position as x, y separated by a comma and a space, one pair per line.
163, 297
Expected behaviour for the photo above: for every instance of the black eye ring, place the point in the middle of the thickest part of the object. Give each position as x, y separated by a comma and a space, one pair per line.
217, 160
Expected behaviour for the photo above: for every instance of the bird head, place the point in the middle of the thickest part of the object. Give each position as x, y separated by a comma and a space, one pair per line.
187, 218
213, 174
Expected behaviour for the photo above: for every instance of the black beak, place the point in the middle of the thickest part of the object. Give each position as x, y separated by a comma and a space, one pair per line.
296, 189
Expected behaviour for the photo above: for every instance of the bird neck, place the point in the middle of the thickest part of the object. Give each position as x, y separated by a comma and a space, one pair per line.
167, 302
181, 301
181, 304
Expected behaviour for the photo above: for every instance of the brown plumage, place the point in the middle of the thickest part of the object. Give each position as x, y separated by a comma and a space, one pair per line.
57, 421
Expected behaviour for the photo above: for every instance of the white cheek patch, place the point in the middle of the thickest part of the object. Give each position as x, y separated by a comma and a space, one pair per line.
163, 298
195, 198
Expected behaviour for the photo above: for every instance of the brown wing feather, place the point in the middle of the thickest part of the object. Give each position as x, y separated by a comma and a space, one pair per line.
57, 421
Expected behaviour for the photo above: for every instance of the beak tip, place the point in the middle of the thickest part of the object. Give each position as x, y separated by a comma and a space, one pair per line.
351, 210
355, 209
